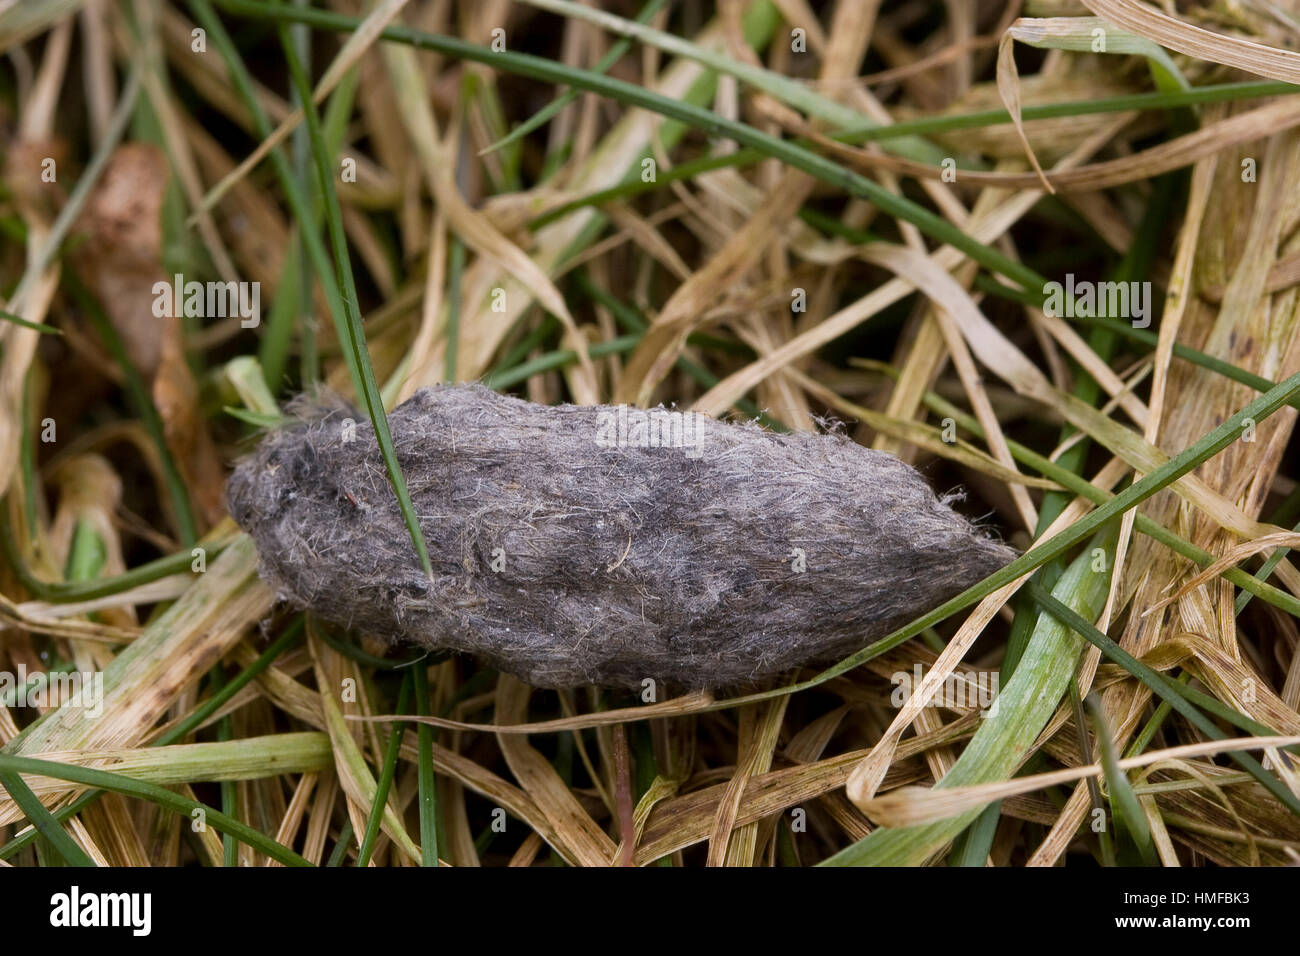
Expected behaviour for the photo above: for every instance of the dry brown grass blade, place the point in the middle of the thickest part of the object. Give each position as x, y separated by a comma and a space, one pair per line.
21, 19
660, 789
1284, 274
19, 350
716, 254
677, 707
482, 328
145, 678
581, 841
685, 820
438, 164
869, 775
1008, 79
16, 616
1205, 778
1144, 20
867, 778
335, 677
925, 356
999, 217
468, 774
1000, 356
352, 51
760, 724
1178, 406
295, 812
920, 435
1232, 680
1171, 154
914, 806
180, 155
181, 763
1280, 539
662, 343
951, 301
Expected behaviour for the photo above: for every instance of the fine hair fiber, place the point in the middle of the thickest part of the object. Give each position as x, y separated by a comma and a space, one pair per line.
599, 545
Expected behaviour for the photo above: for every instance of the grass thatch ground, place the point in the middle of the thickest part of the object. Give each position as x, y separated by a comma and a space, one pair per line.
775, 208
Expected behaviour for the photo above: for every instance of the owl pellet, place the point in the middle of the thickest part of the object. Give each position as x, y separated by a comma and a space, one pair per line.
602, 545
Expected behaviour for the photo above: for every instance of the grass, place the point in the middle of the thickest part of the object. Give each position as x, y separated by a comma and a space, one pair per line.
502, 226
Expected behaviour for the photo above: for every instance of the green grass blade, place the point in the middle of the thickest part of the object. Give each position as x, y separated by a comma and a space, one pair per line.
385, 782
140, 395
1199, 452
455, 271
972, 847
1022, 708
1165, 689
784, 89
1084, 489
428, 793
351, 334
1132, 833
65, 592
167, 799
290, 636
709, 122
43, 822
551, 109
38, 326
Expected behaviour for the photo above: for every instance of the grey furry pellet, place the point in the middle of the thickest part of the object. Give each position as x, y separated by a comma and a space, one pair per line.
602, 545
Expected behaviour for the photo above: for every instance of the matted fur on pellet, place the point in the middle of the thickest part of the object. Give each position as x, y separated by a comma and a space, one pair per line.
600, 545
